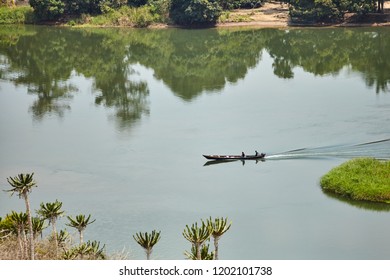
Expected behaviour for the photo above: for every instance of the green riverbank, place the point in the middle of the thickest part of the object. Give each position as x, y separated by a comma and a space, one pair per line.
364, 179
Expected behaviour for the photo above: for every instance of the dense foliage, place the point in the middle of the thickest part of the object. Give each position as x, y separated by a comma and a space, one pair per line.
16, 16
48, 9
328, 10
198, 12
141, 13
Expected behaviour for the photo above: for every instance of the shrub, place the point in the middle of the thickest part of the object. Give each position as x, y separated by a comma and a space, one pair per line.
137, 3
78, 7
235, 4
48, 9
198, 12
16, 15
328, 10
160, 8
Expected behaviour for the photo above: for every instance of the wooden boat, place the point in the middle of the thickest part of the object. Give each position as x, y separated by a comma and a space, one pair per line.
234, 157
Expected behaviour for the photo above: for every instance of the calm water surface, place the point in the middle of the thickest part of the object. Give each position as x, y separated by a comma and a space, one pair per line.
114, 124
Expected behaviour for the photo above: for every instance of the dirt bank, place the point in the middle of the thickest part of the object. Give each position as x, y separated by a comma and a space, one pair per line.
275, 14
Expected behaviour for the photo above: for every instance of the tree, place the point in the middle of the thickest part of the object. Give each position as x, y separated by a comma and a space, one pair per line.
62, 238
80, 223
147, 241
48, 9
198, 236
89, 250
198, 12
204, 253
23, 184
51, 212
219, 227
380, 6
38, 226
18, 224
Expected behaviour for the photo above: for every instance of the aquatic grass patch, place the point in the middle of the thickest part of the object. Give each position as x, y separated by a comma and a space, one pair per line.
364, 179
16, 15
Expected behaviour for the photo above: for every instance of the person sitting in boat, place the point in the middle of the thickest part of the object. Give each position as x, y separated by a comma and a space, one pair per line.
243, 154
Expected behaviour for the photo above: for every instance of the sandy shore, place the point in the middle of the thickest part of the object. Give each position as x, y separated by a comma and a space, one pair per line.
275, 14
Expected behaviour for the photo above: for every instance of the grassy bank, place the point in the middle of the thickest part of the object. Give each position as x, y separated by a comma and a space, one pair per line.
124, 16
360, 179
16, 15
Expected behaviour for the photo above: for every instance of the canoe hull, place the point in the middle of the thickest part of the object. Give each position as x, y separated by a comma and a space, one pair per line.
234, 157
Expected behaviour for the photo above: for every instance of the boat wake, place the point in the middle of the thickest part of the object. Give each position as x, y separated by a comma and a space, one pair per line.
379, 149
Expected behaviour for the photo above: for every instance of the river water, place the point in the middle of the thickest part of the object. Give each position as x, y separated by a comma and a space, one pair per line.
114, 123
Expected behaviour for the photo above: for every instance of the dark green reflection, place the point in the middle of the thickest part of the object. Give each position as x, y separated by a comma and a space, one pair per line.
327, 51
187, 61
193, 61
366, 205
47, 57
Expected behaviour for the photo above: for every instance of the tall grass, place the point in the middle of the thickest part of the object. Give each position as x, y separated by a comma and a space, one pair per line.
360, 179
126, 16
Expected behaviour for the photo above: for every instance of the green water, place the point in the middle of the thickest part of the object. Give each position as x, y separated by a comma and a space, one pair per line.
114, 123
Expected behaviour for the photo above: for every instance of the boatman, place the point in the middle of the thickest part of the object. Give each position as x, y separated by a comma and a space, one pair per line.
243, 154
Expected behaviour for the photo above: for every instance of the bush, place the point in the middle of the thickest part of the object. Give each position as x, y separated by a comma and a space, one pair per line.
236, 4
195, 12
78, 7
126, 16
16, 15
137, 3
328, 10
160, 8
48, 9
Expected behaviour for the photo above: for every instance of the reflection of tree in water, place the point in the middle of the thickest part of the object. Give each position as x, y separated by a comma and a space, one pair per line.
32, 61
193, 61
188, 61
327, 51
45, 61
126, 96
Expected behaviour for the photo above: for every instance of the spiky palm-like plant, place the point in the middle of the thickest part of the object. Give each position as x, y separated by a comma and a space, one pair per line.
19, 222
38, 227
22, 185
204, 253
95, 251
63, 237
51, 212
89, 250
80, 223
147, 241
219, 227
197, 236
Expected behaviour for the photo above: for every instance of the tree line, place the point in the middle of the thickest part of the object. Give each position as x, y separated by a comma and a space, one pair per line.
193, 12
25, 230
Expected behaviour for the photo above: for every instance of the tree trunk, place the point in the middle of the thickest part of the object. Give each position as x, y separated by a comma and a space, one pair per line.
20, 241
148, 253
81, 237
24, 243
198, 251
53, 224
29, 222
216, 239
